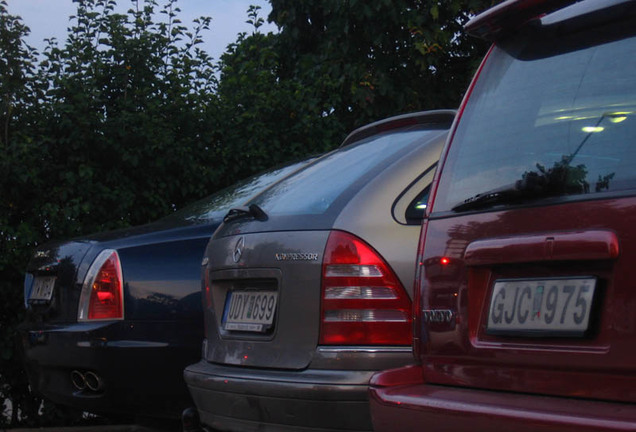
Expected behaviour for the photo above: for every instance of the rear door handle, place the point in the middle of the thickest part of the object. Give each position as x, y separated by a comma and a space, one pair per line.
567, 246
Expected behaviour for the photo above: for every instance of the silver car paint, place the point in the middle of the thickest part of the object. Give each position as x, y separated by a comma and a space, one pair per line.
285, 381
295, 336
369, 214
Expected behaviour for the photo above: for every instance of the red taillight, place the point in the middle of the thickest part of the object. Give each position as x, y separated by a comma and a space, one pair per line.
105, 302
102, 292
363, 302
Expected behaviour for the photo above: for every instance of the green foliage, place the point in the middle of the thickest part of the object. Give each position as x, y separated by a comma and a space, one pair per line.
131, 109
336, 65
17, 94
268, 119
369, 60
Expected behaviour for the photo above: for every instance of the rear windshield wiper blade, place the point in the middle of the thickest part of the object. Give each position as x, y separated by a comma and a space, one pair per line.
560, 179
253, 211
502, 195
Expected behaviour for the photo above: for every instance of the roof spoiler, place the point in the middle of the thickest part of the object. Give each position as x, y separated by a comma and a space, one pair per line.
436, 117
510, 15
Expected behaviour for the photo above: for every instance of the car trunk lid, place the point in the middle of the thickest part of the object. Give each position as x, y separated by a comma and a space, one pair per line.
534, 300
283, 266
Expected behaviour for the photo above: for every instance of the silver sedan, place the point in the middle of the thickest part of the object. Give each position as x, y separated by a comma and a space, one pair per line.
308, 288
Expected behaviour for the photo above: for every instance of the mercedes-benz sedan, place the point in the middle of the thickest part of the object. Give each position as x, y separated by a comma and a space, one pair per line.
308, 288
526, 319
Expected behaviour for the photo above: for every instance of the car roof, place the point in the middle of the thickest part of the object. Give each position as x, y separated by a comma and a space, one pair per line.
433, 118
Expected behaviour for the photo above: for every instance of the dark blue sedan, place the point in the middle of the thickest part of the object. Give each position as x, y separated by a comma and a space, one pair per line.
114, 318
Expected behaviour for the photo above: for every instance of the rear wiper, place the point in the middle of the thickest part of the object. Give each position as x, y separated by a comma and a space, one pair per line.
502, 195
253, 211
560, 179
542, 183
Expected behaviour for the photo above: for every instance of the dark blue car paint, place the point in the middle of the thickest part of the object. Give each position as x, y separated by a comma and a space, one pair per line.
162, 328
141, 358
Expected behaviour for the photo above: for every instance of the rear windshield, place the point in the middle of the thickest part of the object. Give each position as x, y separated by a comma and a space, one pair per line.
217, 205
315, 189
551, 115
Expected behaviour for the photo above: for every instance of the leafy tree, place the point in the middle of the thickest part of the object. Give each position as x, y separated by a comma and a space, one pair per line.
369, 60
132, 108
19, 165
336, 65
268, 118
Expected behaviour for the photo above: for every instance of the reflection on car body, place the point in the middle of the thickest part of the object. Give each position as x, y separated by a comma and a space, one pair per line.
113, 318
320, 296
534, 210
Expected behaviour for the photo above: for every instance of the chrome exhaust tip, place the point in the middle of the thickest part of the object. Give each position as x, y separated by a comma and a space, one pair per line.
93, 381
78, 379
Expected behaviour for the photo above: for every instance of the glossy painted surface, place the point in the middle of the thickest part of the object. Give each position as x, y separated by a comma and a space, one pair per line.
468, 376
461, 409
283, 379
292, 344
462, 353
508, 15
276, 400
139, 359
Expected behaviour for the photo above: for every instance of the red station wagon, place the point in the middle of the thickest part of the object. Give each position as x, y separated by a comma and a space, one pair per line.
525, 304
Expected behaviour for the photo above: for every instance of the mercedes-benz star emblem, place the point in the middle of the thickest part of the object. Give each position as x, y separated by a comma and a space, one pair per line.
238, 249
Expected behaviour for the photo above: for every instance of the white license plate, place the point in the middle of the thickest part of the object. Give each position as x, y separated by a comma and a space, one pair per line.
42, 288
542, 307
250, 310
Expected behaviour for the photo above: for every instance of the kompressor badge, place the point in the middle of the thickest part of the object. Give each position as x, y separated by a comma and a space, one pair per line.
296, 256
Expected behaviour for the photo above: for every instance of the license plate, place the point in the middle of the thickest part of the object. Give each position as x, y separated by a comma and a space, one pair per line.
541, 307
251, 311
42, 289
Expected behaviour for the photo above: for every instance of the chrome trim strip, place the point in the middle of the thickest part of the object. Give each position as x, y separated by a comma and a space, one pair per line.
375, 350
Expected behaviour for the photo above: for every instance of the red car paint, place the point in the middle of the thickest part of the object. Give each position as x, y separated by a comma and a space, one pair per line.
562, 226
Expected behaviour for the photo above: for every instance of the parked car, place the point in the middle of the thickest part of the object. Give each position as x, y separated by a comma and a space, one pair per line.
526, 307
308, 290
113, 318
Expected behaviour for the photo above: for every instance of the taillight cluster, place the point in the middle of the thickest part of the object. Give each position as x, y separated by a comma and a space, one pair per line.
363, 302
102, 296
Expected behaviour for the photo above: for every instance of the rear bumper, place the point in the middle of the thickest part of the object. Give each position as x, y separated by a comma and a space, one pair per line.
439, 408
141, 377
249, 399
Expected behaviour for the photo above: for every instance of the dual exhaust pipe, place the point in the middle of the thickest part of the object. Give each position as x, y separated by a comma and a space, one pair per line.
87, 380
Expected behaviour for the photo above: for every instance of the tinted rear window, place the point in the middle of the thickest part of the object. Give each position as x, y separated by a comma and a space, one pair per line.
217, 205
552, 108
315, 189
